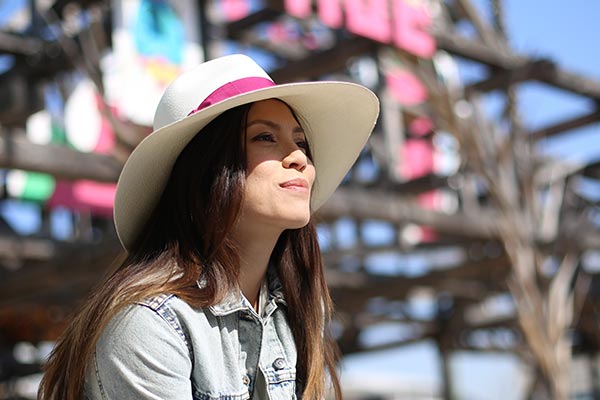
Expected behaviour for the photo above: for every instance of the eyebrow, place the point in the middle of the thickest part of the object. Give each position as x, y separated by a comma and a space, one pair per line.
273, 125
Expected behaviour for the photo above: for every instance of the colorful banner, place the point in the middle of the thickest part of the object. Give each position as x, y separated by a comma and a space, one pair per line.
153, 42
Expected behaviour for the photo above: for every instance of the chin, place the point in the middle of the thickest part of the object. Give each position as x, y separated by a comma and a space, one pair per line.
299, 222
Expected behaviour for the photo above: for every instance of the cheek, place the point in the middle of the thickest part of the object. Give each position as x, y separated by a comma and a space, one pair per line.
258, 178
310, 173
257, 162
253, 183
251, 164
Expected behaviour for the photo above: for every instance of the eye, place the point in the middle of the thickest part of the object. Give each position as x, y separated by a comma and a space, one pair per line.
303, 144
264, 137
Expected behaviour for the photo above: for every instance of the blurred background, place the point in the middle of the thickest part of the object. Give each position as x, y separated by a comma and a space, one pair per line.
462, 250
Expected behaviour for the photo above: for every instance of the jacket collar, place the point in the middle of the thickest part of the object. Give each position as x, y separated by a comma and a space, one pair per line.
235, 301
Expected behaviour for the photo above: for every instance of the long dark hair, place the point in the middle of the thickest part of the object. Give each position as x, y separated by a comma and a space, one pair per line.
188, 237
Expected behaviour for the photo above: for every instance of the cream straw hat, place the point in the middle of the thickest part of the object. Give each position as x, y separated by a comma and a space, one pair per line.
337, 117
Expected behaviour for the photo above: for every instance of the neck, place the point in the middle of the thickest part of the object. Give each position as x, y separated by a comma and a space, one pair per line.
255, 251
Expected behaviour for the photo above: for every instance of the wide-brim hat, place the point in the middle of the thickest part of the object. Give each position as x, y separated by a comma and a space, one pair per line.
337, 118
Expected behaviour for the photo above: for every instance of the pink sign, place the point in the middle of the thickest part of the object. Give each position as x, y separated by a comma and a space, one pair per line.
369, 18
330, 12
417, 158
411, 31
234, 9
420, 126
298, 8
405, 87
405, 24
88, 196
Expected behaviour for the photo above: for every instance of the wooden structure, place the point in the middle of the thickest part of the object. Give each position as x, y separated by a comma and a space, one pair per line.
517, 233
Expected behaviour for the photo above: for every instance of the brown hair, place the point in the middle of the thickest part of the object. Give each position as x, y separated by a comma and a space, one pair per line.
188, 237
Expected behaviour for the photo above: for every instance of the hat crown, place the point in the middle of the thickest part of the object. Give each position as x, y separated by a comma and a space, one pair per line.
190, 89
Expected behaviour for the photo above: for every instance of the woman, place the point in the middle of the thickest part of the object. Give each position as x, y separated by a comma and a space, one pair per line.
222, 294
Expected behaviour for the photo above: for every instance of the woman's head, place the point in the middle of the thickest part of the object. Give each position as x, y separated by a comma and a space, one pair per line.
337, 118
249, 168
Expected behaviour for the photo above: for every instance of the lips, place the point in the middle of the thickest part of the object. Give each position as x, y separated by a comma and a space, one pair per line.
295, 184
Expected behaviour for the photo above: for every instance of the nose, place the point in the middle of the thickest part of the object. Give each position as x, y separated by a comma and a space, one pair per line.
296, 159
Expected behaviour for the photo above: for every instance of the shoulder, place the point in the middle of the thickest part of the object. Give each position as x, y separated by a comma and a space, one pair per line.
161, 318
158, 301
142, 349
149, 311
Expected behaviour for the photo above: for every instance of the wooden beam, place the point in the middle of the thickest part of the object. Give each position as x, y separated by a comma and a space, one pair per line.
351, 291
477, 51
358, 348
503, 79
566, 125
487, 35
19, 248
390, 207
68, 275
325, 62
20, 45
236, 29
592, 170
571, 81
412, 187
16, 152
334, 255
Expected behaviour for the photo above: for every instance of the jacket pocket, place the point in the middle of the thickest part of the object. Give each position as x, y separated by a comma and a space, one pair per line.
281, 383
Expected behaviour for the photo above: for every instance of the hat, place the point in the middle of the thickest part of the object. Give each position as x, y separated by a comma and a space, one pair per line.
338, 118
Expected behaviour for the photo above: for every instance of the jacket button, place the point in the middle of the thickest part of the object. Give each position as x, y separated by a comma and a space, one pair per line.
246, 380
279, 364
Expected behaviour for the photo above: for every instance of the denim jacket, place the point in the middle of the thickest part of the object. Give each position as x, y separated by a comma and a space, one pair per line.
164, 349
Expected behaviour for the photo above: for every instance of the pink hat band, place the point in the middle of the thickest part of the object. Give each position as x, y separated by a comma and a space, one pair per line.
233, 88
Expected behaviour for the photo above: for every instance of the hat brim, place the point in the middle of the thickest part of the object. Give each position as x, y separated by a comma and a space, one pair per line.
337, 118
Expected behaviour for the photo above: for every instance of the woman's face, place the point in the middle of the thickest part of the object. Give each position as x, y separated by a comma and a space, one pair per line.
279, 175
